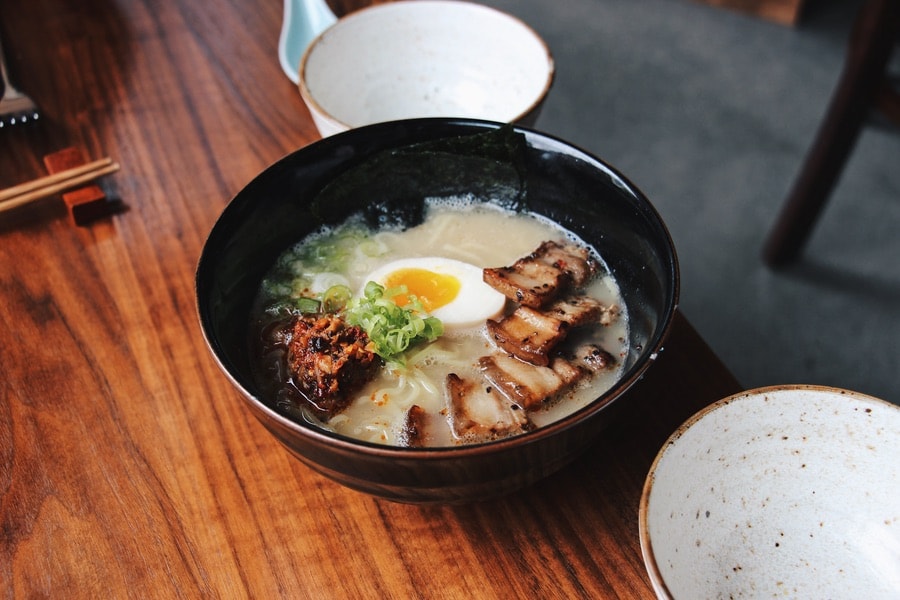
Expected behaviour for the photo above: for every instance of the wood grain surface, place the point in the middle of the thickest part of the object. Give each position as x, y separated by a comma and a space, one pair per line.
129, 467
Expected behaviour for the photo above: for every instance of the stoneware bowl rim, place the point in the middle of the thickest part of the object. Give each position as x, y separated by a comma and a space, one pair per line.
662, 587
526, 116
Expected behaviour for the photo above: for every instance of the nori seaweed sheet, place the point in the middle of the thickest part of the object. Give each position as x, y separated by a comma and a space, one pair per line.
390, 187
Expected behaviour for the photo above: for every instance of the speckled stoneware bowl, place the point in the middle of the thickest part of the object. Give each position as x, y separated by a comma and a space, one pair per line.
388, 170
787, 492
424, 58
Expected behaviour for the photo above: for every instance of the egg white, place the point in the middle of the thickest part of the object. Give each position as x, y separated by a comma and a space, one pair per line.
473, 305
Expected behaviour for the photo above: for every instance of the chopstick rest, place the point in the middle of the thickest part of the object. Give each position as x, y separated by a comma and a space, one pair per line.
86, 203
68, 170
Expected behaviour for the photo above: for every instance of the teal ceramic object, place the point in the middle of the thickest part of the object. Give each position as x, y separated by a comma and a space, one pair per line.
303, 21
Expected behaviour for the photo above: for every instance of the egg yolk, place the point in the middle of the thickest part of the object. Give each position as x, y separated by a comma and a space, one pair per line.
433, 290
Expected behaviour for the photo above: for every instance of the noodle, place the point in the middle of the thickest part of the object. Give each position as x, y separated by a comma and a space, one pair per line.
479, 236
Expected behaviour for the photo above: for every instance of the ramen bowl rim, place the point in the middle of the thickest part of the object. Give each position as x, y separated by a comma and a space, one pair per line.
325, 438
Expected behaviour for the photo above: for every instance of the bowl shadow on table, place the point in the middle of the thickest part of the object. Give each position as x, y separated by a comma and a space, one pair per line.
589, 507
36, 216
622, 454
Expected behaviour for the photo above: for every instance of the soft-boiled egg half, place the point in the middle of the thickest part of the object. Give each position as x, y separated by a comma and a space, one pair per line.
451, 290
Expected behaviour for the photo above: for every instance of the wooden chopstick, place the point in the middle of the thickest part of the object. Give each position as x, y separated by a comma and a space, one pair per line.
53, 184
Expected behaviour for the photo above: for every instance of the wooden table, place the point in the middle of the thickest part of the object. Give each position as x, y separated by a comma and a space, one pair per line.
128, 465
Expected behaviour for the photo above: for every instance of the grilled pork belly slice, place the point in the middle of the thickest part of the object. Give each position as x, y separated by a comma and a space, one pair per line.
526, 384
530, 385
413, 432
577, 310
537, 279
593, 358
575, 261
531, 335
527, 334
480, 412
527, 282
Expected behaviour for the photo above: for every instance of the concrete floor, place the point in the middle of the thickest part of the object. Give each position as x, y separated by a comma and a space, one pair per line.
710, 113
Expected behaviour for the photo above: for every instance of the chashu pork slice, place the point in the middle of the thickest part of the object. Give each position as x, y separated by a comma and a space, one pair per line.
528, 282
413, 432
531, 335
480, 412
527, 334
580, 310
574, 261
537, 279
593, 358
528, 385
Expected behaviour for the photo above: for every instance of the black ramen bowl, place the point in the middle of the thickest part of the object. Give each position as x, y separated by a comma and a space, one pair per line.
385, 171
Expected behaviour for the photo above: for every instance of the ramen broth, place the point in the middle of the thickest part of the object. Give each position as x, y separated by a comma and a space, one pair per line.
480, 234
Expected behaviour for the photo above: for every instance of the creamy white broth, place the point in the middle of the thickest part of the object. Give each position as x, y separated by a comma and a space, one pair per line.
485, 236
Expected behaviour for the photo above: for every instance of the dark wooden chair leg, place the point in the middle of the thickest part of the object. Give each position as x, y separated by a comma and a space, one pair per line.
871, 44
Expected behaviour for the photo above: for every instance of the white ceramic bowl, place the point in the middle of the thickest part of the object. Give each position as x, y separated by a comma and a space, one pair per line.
424, 58
789, 491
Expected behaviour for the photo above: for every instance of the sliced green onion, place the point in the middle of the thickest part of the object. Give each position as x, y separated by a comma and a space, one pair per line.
307, 305
335, 298
391, 329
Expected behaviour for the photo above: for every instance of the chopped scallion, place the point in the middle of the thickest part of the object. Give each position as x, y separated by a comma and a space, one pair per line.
392, 329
